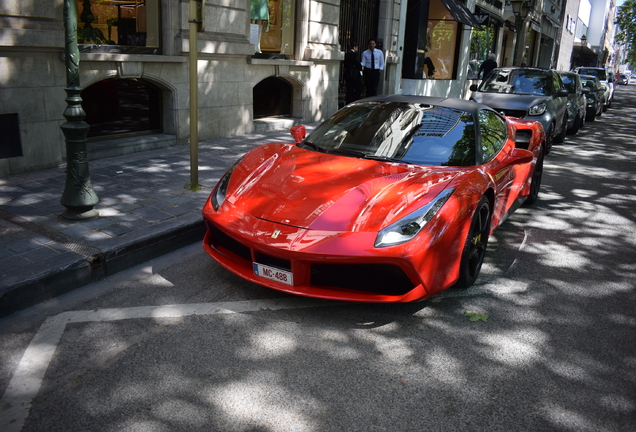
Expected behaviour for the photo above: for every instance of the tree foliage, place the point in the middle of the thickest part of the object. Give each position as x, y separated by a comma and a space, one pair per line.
626, 20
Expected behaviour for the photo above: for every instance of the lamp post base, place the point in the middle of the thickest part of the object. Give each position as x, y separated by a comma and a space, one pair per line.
80, 214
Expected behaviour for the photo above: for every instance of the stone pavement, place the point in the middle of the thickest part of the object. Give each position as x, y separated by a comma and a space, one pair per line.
145, 211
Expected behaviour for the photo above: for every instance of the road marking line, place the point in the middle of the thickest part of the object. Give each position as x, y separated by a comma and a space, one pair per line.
28, 376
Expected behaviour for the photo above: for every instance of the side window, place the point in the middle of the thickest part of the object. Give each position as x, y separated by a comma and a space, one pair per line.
493, 132
557, 84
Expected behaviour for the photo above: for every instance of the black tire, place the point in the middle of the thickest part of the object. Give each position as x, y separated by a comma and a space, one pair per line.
591, 115
576, 125
549, 139
561, 136
475, 245
536, 180
601, 111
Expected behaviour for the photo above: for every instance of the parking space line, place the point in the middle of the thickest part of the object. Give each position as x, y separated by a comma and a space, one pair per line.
28, 376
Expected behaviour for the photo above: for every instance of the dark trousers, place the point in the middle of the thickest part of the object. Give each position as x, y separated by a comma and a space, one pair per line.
354, 89
371, 81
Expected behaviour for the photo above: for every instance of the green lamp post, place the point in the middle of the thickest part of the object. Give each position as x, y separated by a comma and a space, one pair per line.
521, 9
78, 197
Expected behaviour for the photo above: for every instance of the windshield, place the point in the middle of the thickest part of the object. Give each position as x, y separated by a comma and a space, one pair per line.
399, 132
598, 73
589, 83
521, 82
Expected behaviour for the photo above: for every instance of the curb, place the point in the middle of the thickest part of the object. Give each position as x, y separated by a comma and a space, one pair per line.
77, 271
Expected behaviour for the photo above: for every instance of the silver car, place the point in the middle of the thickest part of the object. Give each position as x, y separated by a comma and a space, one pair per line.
577, 102
595, 96
607, 82
530, 93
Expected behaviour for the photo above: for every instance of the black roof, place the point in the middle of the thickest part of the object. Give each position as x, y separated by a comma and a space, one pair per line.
455, 103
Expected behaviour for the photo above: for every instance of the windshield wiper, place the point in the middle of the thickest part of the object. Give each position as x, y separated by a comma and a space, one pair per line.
384, 158
348, 152
365, 155
314, 146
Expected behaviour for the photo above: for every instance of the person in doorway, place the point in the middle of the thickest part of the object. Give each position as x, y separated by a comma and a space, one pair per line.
488, 65
372, 67
353, 73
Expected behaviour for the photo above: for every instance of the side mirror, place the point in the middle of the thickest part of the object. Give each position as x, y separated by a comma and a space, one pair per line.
586, 90
473, 87
562, 93
299, 132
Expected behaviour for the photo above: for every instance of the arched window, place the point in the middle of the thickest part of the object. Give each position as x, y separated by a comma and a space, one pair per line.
122, 107
272, 97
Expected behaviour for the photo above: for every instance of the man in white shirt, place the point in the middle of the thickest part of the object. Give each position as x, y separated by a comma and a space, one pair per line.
372, 65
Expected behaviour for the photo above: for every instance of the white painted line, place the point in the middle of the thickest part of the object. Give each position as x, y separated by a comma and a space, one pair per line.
28, 376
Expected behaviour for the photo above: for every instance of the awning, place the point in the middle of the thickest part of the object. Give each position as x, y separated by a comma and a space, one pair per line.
461, 13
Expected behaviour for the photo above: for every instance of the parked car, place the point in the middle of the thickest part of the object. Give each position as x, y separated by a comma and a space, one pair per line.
595, 96
392, 199
622, 79
531, 93
577, 102
632, 79
607, 82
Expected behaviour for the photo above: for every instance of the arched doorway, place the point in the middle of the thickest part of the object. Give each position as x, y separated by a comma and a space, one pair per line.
272, 97
122, 107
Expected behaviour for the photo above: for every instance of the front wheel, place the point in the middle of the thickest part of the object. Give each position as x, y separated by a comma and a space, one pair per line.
475, 245
549, 139
561, 136
578, 122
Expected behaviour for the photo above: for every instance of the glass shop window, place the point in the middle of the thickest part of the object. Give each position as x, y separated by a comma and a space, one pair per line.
272, 27
432, 41
118, 26
482, 43
123, 107
443, 35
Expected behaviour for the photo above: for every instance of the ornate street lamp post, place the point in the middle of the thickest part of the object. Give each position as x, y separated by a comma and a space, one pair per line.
78, 197
521, 9
583, 42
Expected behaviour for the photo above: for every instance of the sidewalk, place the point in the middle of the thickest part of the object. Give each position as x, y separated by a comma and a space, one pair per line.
145, 211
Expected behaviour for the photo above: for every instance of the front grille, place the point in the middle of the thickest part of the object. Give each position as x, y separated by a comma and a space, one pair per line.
219, 238
272, 261
513, 113
378, 278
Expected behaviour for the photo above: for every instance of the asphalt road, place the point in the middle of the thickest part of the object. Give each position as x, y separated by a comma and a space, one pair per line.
180, 344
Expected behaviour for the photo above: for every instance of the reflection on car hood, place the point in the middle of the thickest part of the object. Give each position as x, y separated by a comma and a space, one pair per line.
285, 184
508, 101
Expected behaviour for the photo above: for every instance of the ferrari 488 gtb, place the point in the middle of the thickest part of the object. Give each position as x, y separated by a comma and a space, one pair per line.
390, 200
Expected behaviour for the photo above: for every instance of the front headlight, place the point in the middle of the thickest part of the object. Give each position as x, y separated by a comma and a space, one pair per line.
218, 195
408, 227
537, 109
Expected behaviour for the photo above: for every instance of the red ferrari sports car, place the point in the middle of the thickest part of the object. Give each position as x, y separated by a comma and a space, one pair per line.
390, 200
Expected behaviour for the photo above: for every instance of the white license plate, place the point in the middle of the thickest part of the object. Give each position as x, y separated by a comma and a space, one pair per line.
273, 273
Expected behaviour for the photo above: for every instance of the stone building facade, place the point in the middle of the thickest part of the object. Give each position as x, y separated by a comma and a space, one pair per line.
142, 47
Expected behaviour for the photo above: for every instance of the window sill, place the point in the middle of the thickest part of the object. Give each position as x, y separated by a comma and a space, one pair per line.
145, 58
261, 61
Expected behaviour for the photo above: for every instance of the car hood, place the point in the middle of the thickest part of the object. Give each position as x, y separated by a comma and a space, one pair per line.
285, 184
508, 101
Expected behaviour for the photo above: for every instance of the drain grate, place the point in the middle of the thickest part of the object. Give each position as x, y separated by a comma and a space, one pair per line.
92, 254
